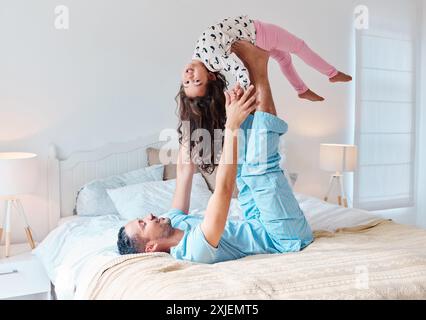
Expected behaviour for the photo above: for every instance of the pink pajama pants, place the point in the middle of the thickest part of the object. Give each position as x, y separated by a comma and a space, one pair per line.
280, 44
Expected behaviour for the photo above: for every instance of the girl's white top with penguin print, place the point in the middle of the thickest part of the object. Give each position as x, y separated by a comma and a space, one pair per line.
214, 47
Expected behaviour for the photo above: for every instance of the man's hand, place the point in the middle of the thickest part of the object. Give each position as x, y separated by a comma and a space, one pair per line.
238, 108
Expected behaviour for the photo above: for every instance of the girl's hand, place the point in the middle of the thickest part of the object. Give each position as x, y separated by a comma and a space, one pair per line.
238, 91
238, 108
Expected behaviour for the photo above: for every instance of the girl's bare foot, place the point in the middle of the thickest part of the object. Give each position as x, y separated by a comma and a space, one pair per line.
341, 77
310, 95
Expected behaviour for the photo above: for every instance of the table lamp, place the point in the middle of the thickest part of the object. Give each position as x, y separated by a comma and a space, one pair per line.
18, 175
338, 158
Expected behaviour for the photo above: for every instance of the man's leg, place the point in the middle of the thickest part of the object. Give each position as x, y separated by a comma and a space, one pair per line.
245, 197
256, 60
278, 209
265, 185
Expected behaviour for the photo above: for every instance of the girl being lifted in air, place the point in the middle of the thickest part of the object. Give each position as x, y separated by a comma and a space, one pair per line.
212, 58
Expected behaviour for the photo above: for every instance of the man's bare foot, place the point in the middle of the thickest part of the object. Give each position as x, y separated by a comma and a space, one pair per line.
256, 61
254, 58
341, 77
310, 95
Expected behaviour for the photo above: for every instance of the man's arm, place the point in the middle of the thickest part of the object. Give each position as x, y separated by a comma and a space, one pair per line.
218, 206
185, 171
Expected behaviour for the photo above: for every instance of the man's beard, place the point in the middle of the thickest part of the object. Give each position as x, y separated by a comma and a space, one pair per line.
167, 228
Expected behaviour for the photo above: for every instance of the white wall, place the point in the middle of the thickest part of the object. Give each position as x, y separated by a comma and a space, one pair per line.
113, 77
421, 177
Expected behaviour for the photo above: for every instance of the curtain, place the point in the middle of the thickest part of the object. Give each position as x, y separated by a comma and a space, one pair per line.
386, 106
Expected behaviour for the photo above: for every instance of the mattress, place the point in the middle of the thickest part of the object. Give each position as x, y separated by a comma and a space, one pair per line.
81, 248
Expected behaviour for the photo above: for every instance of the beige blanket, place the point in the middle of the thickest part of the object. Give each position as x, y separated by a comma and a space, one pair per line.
382, 260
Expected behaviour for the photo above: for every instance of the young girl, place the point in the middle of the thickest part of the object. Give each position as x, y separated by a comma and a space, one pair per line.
201, 99
213, 49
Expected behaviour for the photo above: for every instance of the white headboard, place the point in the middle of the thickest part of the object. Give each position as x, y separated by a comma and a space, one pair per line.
67, 176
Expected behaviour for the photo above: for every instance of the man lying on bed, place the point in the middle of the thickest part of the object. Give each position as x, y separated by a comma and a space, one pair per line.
273, 221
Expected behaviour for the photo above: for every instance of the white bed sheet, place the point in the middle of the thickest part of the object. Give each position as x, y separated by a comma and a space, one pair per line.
74, 252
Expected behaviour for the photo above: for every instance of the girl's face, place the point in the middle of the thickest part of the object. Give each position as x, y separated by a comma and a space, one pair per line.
195, 77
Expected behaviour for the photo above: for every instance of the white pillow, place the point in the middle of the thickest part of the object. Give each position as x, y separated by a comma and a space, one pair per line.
136, 201
93, 200
67, 250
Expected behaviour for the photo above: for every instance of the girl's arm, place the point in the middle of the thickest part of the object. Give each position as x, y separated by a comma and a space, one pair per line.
185, 171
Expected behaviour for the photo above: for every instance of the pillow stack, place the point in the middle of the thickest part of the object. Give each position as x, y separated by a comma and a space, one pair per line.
170, 169
138, 200
147, 190
93, 199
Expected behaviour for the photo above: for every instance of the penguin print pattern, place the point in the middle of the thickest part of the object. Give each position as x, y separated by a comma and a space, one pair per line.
213, 48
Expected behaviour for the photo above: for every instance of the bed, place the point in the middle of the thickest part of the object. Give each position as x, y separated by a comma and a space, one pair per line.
355, 255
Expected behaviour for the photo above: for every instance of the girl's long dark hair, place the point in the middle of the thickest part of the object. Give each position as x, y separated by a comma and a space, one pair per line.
208, 113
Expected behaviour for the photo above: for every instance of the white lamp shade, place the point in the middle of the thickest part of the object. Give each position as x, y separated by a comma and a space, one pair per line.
18, 173
338, 157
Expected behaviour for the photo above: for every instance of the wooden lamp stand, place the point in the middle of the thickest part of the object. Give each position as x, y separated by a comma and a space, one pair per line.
337, 180
14, 203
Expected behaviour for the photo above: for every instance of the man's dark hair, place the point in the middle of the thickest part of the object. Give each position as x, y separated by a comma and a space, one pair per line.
125, 244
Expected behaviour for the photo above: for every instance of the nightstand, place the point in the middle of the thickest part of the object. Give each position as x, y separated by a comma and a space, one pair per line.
29, 282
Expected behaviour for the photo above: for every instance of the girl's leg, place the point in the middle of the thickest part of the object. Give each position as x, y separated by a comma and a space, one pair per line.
287, 68
271, 37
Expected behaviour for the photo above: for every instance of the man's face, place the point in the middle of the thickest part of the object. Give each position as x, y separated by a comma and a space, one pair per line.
149, 228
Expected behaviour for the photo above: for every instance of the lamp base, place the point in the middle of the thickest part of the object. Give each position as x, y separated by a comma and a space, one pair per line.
14, 203
337, 179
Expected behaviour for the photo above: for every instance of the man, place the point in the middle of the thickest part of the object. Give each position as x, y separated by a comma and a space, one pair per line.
273, 221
